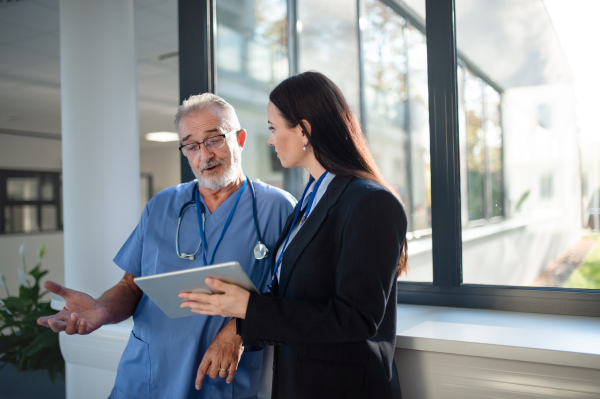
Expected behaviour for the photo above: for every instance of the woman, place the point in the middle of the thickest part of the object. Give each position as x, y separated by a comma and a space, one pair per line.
331, 314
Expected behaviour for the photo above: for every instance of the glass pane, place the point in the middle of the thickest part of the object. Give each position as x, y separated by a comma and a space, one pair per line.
493, 146
473, 97
328, 43
252, 57
47, 190
529, 143
230, 44
21, 219
396, 119
49, 218
22, 188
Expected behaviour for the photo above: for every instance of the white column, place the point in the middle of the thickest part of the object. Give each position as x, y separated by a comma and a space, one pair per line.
100, 150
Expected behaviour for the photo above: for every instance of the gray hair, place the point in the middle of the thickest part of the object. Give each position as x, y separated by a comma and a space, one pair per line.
206, 100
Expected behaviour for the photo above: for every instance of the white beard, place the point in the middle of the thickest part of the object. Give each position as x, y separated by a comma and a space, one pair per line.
227, 178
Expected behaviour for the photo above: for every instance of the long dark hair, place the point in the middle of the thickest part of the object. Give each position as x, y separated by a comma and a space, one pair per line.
337, 140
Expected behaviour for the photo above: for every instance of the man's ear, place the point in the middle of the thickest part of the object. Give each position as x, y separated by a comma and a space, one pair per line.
241, 138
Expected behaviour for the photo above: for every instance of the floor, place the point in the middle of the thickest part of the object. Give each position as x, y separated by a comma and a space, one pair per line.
29, 385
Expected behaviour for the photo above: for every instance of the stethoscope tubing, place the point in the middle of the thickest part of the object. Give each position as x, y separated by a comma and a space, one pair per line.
181, 212
260, 250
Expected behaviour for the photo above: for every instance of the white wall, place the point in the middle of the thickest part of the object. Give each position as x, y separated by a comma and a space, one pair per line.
162, 162
435, 375
29, 153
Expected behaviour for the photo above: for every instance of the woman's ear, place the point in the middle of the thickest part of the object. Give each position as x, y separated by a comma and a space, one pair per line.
306, 128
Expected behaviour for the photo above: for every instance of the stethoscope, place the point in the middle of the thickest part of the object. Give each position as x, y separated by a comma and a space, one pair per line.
260, 250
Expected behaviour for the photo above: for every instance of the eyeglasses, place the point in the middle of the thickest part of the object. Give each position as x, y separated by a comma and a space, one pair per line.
211, 143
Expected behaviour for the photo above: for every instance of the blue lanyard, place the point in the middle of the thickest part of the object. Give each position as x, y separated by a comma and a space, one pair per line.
311, 199
202, 219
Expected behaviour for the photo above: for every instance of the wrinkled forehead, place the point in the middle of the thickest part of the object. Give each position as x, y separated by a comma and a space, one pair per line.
202, 124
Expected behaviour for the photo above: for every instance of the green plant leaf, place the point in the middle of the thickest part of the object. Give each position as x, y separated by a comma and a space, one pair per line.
7, 342
37, 273
43, 293
37, 313
29, 293
32, 361
17, 303
22, 341
40, 342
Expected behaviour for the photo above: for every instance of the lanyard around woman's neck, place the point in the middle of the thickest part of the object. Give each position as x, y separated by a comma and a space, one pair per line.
311, 199
202, 219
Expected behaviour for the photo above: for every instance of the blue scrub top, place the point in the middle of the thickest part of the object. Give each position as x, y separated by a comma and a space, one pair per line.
162, 356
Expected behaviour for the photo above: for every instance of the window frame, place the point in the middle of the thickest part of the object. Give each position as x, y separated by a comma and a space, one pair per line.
197, 68
52, 176
447, 288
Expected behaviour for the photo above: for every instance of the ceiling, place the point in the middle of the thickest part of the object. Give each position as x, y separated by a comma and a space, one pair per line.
30, 66
30, 57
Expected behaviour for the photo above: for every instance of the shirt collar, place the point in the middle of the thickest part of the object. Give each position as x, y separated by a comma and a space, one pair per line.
320, 192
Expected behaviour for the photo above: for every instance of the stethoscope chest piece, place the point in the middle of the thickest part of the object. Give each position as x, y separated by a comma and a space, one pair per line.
260, 251
187, 256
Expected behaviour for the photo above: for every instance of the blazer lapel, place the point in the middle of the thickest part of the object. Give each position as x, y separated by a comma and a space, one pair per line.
309, 229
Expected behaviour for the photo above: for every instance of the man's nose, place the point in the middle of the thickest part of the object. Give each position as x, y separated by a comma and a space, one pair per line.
205, 153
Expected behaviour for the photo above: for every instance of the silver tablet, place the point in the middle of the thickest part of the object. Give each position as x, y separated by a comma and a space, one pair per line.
164, 288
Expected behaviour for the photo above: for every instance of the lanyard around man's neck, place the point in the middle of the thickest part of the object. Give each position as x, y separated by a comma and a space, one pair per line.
201, 219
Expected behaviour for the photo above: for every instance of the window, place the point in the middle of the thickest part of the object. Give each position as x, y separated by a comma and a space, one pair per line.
30, 202
252, 57
471, 119
481, 104
396, 119
517, 151
327, 34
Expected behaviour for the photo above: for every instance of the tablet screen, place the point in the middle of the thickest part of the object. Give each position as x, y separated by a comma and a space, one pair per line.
164, 288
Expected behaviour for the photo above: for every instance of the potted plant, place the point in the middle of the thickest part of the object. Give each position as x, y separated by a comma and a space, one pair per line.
24, 343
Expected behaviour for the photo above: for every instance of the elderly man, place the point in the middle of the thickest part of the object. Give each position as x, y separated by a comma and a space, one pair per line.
170, 357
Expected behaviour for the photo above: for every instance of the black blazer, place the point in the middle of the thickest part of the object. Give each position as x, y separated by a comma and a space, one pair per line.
333, 321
